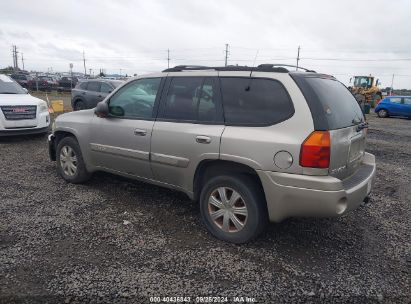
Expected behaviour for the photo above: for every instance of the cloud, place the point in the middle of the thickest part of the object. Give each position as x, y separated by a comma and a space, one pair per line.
134, 35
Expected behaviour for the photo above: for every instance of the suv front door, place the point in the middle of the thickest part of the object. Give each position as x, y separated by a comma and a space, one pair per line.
93, 93
121, 142
188, 129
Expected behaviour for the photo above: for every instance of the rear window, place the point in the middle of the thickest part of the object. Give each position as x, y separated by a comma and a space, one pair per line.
332, 105
255, 101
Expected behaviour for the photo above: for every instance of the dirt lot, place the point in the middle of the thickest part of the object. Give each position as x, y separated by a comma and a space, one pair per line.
66, 243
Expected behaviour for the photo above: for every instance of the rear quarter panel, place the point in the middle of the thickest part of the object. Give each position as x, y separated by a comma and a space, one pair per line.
257, 146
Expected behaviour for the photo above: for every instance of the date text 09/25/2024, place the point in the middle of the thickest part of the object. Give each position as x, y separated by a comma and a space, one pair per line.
206, 299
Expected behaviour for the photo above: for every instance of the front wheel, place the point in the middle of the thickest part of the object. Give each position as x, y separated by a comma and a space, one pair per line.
79, 105
382, 113
233, 208
70, 163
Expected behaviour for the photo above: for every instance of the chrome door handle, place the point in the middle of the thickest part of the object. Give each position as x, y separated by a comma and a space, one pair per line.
140, 132
201, 139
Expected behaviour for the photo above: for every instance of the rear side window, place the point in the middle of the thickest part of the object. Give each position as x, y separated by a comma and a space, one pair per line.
255, 101
332, 105
192, 99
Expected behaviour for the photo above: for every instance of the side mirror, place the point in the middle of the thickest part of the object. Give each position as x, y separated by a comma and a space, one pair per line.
377, 83
350, 79
25, 90
101, 109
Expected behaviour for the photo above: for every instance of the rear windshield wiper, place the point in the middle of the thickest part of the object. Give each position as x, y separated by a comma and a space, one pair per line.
360, 124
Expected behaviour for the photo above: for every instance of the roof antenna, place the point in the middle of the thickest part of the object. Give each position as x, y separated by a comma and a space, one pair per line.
251, 72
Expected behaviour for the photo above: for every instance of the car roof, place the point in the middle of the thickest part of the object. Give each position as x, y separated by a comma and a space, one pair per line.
397, 96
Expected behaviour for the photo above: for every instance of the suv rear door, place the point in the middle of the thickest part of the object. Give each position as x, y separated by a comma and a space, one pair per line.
121, 141
188, 128
335, 109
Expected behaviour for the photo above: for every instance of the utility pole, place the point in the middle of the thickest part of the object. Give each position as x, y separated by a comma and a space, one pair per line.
15, 58
168, 58
89, 72
298, 57
84, 62
392, 84
22, 60
226, 53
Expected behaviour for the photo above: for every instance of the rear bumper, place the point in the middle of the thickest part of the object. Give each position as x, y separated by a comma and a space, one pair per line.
292, 195
14, 132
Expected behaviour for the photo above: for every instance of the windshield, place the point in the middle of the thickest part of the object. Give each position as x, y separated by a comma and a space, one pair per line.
9, 86
363, 81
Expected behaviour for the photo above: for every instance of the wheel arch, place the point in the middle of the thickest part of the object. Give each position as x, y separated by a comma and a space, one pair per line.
209, 168
76, 100
59, 135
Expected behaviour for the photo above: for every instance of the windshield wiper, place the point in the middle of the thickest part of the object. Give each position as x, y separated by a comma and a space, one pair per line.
7, 93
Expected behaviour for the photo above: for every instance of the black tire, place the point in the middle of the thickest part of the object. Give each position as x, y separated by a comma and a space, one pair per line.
79, 105
81, 175
382, 113
253, 197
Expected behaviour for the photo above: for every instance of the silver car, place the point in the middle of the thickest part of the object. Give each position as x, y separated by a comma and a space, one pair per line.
252, 145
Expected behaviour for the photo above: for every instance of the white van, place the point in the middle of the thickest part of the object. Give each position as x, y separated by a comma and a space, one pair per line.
21, 113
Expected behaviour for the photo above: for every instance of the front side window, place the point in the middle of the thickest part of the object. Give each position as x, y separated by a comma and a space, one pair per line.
136, 99
105, 88
93, 86
255, 101
395, 100
407, 101
83, 85
191, 99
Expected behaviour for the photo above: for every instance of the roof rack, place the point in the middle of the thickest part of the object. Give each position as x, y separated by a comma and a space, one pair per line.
279, 68
180, 68
270, 65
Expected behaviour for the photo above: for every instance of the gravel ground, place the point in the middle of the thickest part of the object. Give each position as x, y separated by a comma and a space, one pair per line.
117, 240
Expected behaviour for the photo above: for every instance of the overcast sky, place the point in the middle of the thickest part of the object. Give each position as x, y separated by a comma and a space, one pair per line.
357, 37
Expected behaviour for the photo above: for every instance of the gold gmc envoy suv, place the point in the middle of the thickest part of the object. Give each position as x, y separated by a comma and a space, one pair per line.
251, 145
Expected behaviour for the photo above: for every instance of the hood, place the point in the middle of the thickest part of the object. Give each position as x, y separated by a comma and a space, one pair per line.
20, 100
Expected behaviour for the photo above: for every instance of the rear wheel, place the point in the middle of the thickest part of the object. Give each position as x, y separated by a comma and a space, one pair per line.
382, 113
70, 163
79, 105
233, 208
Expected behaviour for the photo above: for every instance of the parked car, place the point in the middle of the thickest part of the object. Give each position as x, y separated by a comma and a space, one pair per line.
394, 106
42, 83
88, 93
66, 83
250, 144
21, 113
22, 79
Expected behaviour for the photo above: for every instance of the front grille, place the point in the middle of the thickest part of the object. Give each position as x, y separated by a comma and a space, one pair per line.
362, 174
19, 112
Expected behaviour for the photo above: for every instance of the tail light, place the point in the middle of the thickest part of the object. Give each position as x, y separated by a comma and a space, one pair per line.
315, 150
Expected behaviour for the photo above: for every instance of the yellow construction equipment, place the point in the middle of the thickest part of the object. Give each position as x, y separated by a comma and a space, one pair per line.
365, 89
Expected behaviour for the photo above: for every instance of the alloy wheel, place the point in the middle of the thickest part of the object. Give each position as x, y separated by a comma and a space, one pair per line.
227, 209
68, 160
